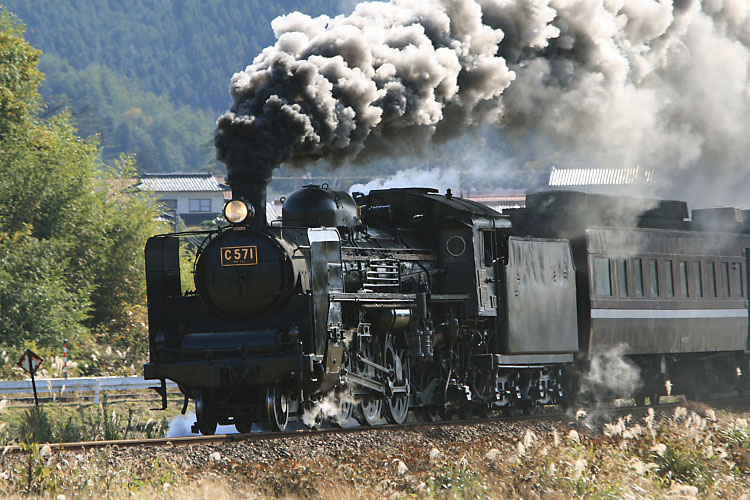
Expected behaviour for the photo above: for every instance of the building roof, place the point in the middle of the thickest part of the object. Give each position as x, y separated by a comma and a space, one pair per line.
197, 182
500, 202
599, 176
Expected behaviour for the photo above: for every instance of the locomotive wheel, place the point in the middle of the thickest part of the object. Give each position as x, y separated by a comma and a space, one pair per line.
511, 411
369, 409
430, 383
277, 405
530, 409
397, 405
430, 414
244, 426
206, 421
486, 411
344, 407
344, 400
368, 412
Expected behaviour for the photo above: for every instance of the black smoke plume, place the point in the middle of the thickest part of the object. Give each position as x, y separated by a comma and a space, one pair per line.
619, 82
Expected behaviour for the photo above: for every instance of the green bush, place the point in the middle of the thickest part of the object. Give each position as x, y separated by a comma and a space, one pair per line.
35, 426
458, 481
683, 463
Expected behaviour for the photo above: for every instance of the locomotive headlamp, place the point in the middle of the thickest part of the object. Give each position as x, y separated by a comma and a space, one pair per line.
238, 211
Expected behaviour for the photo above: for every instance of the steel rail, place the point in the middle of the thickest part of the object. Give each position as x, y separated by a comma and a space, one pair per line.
563, 416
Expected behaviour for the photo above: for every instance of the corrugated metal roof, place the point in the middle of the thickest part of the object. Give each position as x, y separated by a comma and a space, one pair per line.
162, 183
598, 176
500, 202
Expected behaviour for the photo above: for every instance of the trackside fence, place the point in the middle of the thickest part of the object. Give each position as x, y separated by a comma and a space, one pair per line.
59, 387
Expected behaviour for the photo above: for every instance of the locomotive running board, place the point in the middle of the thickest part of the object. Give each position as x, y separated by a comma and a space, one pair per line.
490, 361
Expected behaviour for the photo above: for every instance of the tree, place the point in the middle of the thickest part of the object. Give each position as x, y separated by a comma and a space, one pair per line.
71, 231
20, 77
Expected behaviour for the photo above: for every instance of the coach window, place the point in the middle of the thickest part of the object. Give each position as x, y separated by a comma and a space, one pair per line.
698, 278
684, 289
638, 276
669, 278
654, 274
622, 277
712, 279
603, 278
725, 278
737, 269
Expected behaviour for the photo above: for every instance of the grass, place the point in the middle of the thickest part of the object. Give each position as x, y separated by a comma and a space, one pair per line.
64, 421
691, 454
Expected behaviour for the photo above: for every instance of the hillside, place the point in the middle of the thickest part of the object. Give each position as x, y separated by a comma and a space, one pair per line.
150, 77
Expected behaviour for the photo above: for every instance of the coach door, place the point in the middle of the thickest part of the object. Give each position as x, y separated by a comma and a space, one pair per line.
744, 287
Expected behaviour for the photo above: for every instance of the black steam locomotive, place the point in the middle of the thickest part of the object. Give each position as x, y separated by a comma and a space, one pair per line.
372, 306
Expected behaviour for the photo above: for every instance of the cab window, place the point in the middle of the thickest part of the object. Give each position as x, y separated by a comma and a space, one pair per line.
487, 249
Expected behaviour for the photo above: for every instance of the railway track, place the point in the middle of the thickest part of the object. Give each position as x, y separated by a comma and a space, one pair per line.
600, 414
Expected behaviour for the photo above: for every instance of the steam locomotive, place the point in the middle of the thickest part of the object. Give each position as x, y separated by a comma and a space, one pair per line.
369, 307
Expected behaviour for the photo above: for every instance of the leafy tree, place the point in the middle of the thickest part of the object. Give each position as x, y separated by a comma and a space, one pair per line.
71, 233
20, 76
36, 303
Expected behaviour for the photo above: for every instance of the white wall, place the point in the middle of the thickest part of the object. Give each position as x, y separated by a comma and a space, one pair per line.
183, 200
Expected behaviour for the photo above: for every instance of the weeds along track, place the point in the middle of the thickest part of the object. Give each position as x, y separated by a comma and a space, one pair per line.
593, 417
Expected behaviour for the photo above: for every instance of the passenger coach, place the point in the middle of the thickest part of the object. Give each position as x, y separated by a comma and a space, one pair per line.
670, 293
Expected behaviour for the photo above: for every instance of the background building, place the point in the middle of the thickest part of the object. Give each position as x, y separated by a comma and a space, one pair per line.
190, 198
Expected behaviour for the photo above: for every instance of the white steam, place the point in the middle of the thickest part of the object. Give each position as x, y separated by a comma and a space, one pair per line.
464, 171
181, 426
438, 178
610, 375
655, 83
329, 408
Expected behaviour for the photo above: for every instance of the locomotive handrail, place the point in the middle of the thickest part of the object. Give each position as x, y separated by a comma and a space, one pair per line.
395, 297
185, 233
400, 257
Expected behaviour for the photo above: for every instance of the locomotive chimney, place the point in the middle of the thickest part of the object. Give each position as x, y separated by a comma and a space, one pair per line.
250, 186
